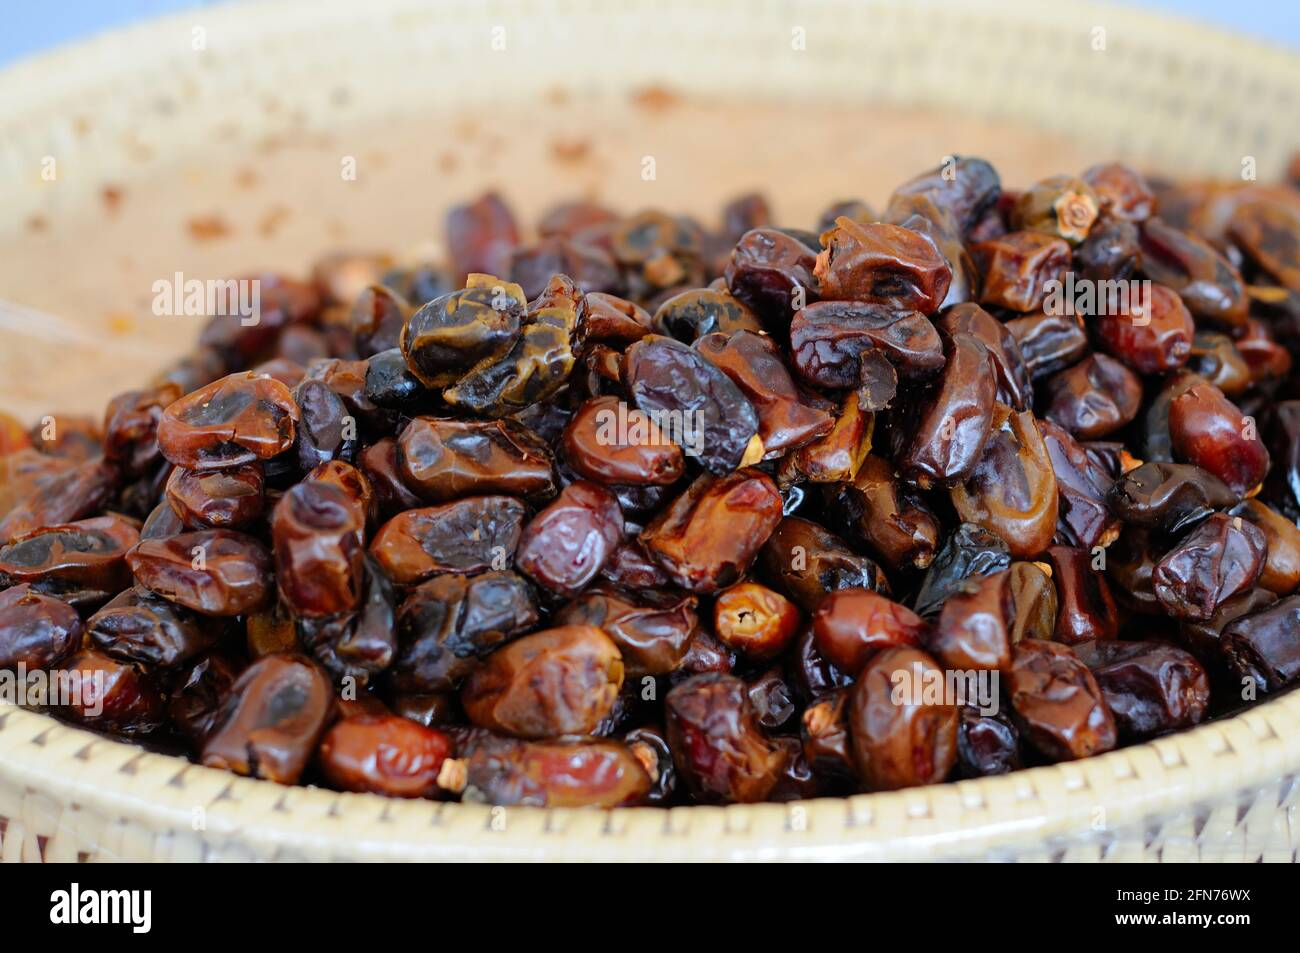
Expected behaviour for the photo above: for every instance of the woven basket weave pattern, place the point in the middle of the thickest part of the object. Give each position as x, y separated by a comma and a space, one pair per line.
1166, 94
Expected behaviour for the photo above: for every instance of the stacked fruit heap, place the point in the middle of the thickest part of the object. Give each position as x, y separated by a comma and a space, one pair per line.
646, 513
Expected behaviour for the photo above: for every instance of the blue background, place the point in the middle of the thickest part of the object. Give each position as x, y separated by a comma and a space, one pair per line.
32, 25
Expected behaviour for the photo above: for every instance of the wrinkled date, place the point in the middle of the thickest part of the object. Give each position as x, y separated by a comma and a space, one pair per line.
717, 746
716, 422
36, 630
562, 681
807, 562
707, 537
1220, 558
1057, 702
271, 721
82, 562
1150, 687
470, 535
567, 544
882, 264
238, 419
216, 572
902, 741
140, 627
441, 460
449, 623
110, 695
383, 754
603, 774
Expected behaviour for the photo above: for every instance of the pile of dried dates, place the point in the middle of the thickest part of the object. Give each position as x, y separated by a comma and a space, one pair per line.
641, 511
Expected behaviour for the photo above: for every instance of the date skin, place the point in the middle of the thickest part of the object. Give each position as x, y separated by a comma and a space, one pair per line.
688, 538
561, 681
716, 743
897, 742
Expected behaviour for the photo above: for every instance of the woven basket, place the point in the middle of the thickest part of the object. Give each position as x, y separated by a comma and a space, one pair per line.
210, 143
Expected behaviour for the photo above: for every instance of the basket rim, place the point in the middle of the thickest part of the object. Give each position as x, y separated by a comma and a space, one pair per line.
1212, 762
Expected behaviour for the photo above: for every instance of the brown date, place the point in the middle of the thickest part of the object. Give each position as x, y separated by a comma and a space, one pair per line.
691, 315
717, 746
36, 631
235, 420
1034, 602
1168, 497
447, 625
1095, 397
882, 264
1150, 687
1086, 606
754, 364
900, 744
832, 342
383, 754
140, 627
561, 681
755, 621
469, 535
230, 498
615, 321
1210, 431
442, 460
82, 562
131, 427
600, 774
52, 498
1206, 281
687, 538
270, 722
1221, 557
1083, 485
565, 546
1061, 206
480, 236
1262, 646
652, 630
853, 625
1048, 342
1012, 490
1122, 192
109, 695
768, 268
1153, 335
974, 629
1014, 387
1016, 268
665, 376
318, 551
476, 326
807, 562
1281, 573
215, 572
611, 443
884, 512
956, 419
1057, 702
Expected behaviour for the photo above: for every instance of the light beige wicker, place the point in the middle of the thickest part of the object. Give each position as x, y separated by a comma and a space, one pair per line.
1167, 94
